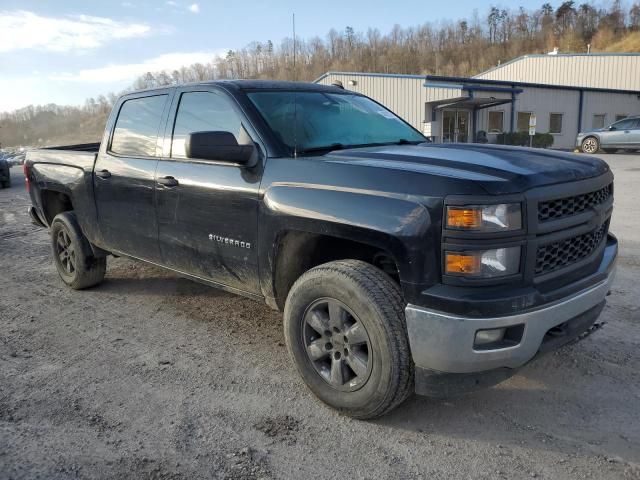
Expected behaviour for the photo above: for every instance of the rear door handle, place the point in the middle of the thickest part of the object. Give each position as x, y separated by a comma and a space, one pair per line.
103, 173
168, 181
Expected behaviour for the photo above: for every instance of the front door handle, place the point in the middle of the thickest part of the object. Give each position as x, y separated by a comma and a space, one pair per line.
103, 173
168, 181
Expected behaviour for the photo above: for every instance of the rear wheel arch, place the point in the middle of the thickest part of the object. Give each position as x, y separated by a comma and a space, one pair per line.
53, 203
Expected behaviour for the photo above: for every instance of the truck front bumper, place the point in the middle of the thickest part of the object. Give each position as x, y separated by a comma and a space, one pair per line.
446, 356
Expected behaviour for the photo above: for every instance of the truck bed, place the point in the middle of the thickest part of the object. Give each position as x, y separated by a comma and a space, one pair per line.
80, 147
80, 156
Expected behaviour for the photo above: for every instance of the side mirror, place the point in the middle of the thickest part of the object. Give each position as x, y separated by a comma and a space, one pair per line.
221, 146
611, 128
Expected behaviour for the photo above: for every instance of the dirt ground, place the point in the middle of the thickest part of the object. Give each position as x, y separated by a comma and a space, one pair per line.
153, 376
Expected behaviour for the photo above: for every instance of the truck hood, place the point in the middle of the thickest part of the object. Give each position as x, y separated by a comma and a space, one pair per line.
498, 169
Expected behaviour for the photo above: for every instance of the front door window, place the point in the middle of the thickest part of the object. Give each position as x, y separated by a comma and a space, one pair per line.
455, 126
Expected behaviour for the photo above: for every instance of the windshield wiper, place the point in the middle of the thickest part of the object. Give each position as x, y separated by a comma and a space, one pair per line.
342, 146
324, 148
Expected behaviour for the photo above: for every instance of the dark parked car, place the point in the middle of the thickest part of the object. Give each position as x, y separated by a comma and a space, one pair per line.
5, 174
623, 134
399, 265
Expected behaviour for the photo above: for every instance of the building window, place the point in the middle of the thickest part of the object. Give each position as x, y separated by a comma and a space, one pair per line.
555, 123
598, 120
621, 116
496, 122
523, 121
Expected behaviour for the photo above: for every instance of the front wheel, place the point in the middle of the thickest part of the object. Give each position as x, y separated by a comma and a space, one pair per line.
345, 330
72, 254
590, 145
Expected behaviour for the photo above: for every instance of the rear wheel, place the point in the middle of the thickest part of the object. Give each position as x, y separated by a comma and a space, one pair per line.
590, 145
72, 254
345, 330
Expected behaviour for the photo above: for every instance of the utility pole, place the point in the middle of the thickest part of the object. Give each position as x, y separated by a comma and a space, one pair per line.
295, 72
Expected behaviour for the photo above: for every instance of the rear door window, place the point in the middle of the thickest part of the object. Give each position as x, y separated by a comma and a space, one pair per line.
136, 130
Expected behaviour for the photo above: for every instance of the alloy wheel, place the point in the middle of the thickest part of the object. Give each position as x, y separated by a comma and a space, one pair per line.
65, 252
337, 344
590, 145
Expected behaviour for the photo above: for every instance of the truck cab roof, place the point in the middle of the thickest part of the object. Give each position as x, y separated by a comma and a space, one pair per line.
250, 85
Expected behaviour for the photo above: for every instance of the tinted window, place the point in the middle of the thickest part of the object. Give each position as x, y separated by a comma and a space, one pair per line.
625, 124
136, 131
205, 112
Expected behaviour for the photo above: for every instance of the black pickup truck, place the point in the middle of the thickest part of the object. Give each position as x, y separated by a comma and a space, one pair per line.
400, 265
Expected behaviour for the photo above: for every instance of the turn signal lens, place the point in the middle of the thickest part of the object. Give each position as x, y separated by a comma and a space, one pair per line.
460, 263
466, 218
499, 262
485, 218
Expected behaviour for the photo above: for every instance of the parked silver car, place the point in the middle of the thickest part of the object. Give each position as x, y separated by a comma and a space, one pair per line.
623, 134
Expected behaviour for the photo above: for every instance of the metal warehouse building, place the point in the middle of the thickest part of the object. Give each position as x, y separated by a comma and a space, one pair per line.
568, 93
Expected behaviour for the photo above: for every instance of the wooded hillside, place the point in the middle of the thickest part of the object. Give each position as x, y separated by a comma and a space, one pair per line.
462, 48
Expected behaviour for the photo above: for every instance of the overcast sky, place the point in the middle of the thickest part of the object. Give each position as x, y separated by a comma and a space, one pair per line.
65, 51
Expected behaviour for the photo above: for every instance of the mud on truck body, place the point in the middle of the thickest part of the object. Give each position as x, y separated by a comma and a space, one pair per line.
400, 265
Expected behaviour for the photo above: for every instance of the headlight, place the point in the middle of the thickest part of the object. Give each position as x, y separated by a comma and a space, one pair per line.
499, 262
485, 218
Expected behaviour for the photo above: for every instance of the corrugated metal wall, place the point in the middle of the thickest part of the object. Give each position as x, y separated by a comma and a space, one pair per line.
405, 96
610, 105
408, 97
620, 72
542, 102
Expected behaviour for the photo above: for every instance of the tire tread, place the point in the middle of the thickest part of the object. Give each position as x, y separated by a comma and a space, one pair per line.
388, 299
90, 270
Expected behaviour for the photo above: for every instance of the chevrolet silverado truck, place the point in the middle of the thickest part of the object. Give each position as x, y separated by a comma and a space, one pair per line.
401, 266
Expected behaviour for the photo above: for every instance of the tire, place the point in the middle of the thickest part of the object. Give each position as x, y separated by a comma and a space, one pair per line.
72, 254
609, 150
590, 145
369, 309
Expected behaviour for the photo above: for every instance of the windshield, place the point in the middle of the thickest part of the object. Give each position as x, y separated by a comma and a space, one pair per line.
327, 121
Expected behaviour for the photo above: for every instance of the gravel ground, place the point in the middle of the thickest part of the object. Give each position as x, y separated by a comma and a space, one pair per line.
153, 376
